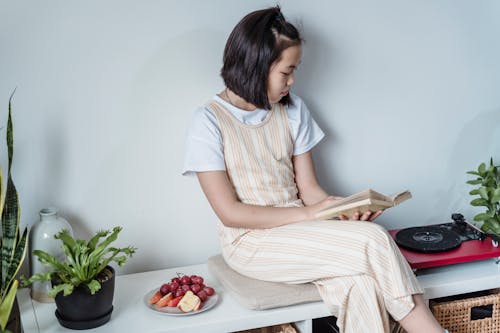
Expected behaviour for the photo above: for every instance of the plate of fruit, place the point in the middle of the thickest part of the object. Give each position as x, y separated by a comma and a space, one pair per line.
183, 295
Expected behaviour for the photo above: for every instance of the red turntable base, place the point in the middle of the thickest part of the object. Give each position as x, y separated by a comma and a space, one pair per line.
473, 245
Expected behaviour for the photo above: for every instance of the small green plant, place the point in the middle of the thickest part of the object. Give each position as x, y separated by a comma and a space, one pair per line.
12, 243
84, 261
488, 190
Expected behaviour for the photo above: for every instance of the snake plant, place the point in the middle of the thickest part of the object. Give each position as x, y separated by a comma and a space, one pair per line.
488, 181
83, 263
12, 243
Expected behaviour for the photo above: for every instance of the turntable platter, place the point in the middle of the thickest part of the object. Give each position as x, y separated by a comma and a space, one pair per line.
428, 239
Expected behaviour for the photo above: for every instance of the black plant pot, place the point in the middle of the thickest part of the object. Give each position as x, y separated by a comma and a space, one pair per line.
81, 310
14, 321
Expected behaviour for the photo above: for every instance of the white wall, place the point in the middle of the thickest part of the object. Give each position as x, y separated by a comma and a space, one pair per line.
407, 92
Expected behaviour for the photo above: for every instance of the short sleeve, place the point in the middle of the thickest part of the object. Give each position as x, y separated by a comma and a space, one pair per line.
203, 148
305, 130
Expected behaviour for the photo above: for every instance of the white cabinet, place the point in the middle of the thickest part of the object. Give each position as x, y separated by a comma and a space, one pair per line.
131, 315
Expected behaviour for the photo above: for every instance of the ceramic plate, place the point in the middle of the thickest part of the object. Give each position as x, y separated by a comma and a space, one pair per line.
168, 310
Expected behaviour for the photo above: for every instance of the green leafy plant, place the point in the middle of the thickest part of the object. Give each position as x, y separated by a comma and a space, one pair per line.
84, 261
488, 190
12, 243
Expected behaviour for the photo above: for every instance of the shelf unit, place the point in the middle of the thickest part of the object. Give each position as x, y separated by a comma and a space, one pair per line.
131, 315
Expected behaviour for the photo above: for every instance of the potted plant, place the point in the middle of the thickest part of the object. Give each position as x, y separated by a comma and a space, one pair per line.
12, 243
83, 283
488, 190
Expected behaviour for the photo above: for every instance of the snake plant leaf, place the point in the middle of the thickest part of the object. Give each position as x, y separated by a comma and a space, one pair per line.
6, 304
2, 195
10, 133
18, 257
10, 228
12, 243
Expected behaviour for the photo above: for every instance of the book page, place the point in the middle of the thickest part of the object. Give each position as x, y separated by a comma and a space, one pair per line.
366, 194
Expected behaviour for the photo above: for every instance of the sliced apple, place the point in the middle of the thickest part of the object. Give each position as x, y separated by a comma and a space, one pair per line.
155, 298
175, 301
198, 307
164, 300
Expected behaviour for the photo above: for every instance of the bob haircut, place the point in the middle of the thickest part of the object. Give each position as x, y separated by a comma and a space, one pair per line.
255, 43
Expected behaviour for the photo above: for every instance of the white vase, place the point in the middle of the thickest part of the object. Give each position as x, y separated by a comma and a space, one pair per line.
42, 238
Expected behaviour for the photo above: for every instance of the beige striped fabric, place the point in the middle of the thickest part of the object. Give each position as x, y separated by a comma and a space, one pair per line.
358, 269
258, 160
259, 157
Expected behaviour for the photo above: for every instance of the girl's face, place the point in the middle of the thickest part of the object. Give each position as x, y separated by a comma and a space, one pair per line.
282, 73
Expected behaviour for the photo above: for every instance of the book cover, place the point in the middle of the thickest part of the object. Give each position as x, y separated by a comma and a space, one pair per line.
367, 200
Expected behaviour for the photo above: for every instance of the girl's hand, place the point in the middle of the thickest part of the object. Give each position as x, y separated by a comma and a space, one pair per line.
357, 216
312, 210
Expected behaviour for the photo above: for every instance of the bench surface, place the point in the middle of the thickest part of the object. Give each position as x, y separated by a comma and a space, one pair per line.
131, 315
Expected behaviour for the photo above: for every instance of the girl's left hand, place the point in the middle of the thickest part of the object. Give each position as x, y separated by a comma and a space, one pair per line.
357, 216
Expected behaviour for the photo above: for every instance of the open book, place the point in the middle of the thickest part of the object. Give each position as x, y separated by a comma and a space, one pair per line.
362, 202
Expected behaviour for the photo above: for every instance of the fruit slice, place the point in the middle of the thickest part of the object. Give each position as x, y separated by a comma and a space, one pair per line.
155, 298
189, 302
198, 307
174, 302
164, 300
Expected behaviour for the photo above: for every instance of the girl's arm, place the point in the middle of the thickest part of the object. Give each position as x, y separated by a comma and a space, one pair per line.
233, 213
311, 192
305, 177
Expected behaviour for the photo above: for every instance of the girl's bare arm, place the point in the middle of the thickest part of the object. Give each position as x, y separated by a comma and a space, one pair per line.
305, 177
233, 213
311, 192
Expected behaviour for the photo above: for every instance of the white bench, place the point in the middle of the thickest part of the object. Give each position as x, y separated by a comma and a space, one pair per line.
131, 315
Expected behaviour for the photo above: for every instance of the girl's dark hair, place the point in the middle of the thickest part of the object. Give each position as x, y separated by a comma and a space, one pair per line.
253, 46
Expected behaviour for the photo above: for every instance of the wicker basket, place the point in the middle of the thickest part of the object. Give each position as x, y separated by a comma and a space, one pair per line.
473, 313
283, 328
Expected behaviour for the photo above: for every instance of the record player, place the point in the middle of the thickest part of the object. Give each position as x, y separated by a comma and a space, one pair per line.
445, 244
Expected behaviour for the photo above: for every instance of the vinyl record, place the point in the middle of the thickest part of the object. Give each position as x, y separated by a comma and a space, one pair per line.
428, 239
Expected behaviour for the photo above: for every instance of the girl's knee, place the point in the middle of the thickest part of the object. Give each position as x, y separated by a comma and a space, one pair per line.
374, 230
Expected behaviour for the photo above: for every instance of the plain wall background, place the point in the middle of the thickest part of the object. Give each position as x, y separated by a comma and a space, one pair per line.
406, 91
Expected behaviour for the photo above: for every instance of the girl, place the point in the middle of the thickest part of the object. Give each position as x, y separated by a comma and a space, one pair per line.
251, 150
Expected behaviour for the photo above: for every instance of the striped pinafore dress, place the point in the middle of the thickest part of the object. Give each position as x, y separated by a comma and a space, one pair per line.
358, 269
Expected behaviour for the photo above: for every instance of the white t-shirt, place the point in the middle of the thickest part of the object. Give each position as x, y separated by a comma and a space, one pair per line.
204, 150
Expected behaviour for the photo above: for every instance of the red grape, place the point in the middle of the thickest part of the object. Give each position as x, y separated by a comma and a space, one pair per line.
197, 279
174, 286
183, 283
209, 290
195, 288
179, 292
202, 295
165, 289
185, 280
